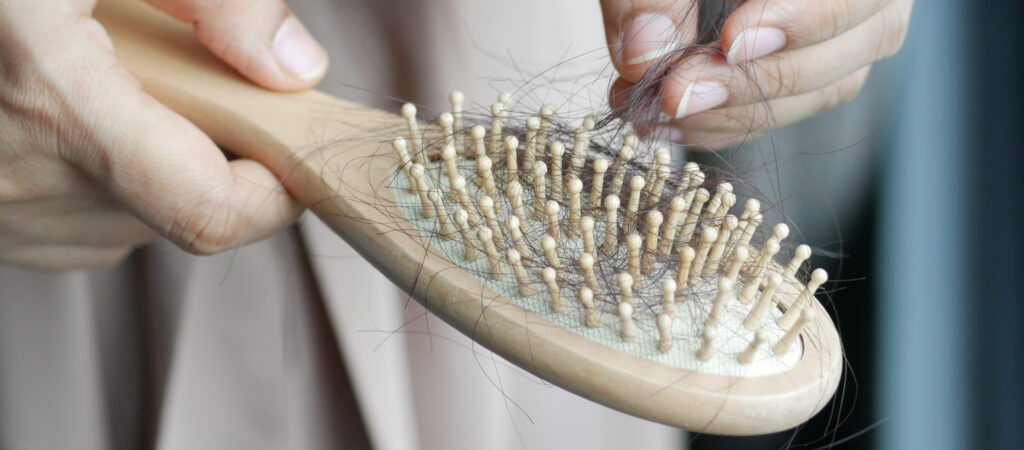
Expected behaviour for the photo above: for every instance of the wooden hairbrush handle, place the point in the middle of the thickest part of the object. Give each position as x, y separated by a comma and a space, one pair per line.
330, 155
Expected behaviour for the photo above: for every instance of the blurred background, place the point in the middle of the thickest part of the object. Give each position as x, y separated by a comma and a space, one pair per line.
930, 311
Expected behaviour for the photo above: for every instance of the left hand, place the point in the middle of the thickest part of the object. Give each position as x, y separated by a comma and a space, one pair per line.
780, 61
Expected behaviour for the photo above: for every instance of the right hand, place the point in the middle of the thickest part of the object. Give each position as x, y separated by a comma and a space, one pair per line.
91, 166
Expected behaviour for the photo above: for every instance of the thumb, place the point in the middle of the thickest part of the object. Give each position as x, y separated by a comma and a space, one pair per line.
261, 39
640, 32
165, 170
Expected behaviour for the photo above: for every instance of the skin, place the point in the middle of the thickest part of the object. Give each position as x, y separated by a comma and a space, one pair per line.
92, 166
829, 48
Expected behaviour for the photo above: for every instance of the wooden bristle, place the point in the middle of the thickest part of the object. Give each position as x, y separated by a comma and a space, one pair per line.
633, 244
806, 298
575, 187
718, 249
597, 182
523, 278
668, 296
654, 220
415, 137
664, 322
586, 263
399, 146
765, 301
539, 192
611, 225
738, 258
780, 232
799, 256
771, 247
512, 159
422, 187
552, 209
728, 200
750, 208
748, 231
462, 221
625, 282
513, 224
672, 224
457, 98
592, 318
437, 200
505, 98
658, 186
587, 230
530, 152
486, 176
498, 114
547, 112
626, 153
636, 186
493, 259
721, 299
707, 238
550, 247
690, 225
491, 219
785, 343
459, 184
686, 256
629, 331
451, 166
447, 121
760, 337
709, 334
514, 193
581, 142
477, 135
557, 150
549, 275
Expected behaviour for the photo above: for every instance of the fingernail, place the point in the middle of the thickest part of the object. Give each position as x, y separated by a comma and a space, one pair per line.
297, 52
648, 36
755, 43
701, 96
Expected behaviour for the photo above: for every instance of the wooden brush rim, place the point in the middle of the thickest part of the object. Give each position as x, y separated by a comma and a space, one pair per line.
286, 132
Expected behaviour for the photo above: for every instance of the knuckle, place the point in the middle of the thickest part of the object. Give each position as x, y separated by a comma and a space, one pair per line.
845, 90
788, 78
206, 229
839, 19
895, 23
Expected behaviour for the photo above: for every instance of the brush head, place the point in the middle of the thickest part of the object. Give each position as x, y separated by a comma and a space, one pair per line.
686, 302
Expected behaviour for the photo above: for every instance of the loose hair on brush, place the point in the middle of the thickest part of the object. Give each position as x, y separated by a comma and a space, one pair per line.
561, 240
518, 197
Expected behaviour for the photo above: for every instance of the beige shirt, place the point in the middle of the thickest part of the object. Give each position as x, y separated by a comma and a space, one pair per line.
256, 348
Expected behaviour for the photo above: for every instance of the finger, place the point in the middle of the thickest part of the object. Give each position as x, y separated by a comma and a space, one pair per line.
167, 172
36, 223
54, 258
760, 27
727, 126
639, 32
712, 84
261, 39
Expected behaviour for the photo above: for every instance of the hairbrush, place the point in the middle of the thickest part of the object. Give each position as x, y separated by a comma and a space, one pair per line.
585, 257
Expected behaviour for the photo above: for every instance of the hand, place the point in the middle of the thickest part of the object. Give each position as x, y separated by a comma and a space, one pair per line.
777, 62
91, 166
